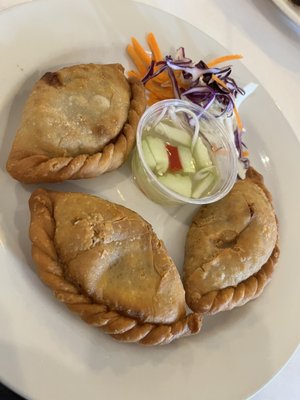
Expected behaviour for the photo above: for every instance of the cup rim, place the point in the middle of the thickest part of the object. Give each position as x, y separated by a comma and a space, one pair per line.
225, 137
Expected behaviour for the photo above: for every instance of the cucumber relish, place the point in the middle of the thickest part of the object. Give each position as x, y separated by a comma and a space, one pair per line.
182, 154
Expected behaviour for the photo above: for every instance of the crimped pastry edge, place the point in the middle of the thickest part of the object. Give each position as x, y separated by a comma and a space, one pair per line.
120, 327
230, 297
40, 168
227, 298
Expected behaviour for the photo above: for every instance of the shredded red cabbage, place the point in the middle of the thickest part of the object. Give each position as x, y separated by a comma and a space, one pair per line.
202, 88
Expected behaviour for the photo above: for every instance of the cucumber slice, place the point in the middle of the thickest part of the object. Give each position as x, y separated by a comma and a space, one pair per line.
186, 159
173, 134
181, 184
202, 186
159, 152
150, 160
201, 155
201, 174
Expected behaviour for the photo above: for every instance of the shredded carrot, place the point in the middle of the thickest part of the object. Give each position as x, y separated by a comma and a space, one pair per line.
221, 83
237, 115
134, 74
167, 84
160, 87
152, 43
245, 153
136, 59
153, 99
141, 52
156, 56
140, 57
219, 60
238, 118
166, 93
162, 77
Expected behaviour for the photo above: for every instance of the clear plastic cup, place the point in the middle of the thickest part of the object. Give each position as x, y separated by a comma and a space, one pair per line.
216, 137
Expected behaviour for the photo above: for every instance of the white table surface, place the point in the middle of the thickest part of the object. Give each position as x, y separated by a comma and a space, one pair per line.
271, 46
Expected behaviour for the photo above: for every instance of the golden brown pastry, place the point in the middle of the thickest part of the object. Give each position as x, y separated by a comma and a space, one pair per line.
106, 263
78, 122
231, 248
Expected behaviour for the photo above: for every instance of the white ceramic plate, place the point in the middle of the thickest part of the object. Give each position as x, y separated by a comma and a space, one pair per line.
289, 9
48, 353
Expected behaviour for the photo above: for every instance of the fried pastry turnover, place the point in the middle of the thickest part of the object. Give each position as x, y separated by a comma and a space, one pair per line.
231, 248
78, 122
106, 264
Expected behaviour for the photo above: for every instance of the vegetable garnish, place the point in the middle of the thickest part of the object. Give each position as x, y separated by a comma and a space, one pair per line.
220, 60
151, 40
205, 84
174, 160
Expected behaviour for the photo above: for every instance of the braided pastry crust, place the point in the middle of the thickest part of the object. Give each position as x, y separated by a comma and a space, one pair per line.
119, 325
231, 297
29, 164
240, 236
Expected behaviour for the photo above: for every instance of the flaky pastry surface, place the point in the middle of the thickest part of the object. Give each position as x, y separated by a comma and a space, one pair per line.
106, 263
78, 122
231, 248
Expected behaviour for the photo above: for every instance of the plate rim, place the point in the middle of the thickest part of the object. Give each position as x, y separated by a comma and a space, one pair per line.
33, 2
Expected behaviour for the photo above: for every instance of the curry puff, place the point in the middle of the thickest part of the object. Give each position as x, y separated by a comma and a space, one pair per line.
106, 264
78, 122
231, 248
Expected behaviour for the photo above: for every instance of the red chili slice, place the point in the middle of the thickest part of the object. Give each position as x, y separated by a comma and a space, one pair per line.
174, 160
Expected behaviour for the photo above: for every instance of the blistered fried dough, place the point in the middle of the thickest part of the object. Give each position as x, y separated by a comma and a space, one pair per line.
231, 248
78, 122
106, 263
